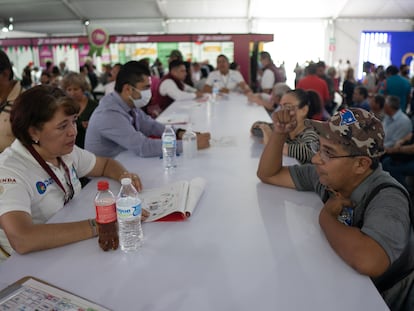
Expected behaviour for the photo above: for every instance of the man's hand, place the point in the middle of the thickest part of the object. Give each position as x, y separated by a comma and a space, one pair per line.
224, 90
253, 98
284, 120
203, 140
336, 203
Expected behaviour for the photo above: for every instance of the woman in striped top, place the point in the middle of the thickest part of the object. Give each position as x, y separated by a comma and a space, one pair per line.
307, 105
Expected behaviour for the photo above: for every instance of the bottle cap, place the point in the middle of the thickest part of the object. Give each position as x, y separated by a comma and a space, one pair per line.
103, 185
126, 181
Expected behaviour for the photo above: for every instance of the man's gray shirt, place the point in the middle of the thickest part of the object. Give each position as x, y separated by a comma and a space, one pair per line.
386, 218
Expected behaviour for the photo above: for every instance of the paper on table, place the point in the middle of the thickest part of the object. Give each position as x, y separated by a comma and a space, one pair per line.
30, 293
224, 141
195, 191
175, 201
175, 118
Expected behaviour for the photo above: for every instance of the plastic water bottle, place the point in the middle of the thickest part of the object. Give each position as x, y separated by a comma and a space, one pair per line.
215, 91
189, 143
106, 217
346, 216
128, 208
169, 147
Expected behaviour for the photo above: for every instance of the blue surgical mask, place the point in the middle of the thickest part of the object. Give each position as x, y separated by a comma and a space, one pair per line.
144, 100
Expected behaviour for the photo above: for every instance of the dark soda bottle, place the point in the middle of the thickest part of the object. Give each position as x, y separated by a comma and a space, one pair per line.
106, 217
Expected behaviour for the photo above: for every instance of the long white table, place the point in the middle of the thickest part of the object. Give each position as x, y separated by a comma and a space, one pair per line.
248, 245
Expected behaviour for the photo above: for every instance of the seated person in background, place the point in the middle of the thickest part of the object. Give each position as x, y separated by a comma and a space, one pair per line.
45, 77
360, 98
313, 82
270, 102
400, 160
172, 88
298, 143
9, 90
118, 123
228, 80
109, 87
396, 123
199, 85
271, 74
177, 55
376, 104
235, 66
75, 86
370, 229
196, 73
40, 173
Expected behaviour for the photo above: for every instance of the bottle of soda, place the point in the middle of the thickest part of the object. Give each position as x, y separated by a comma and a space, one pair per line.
106, 217
128, 207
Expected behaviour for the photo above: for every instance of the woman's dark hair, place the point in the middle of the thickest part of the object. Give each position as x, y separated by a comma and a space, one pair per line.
35, 107
308, 98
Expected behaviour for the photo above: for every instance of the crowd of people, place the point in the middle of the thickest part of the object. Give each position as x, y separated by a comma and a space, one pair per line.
55, 132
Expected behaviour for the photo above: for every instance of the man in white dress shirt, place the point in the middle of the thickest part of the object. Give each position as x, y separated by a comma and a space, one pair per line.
172, 88
227, 80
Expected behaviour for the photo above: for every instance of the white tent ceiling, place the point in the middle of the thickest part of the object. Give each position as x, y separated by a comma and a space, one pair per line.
65, 17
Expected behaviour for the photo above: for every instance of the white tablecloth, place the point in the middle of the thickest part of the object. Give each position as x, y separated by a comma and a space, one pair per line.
248, 245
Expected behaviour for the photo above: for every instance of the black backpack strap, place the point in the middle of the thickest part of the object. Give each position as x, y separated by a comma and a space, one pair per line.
377, 189
392, 280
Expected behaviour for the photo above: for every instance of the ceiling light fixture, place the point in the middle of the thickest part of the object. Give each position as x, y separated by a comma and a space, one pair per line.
10, 26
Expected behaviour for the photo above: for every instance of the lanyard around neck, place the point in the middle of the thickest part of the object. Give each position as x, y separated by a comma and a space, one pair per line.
46, 167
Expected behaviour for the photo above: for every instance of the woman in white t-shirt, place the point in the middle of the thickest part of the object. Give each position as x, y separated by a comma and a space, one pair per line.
40, 171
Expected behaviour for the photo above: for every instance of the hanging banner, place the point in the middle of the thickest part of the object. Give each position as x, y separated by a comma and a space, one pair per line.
98, 39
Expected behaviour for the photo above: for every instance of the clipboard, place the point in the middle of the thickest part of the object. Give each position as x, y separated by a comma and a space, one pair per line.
31, 292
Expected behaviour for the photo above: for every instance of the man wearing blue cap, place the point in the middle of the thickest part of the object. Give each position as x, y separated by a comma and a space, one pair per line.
366, 214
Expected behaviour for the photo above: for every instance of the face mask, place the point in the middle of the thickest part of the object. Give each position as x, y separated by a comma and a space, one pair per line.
144, 100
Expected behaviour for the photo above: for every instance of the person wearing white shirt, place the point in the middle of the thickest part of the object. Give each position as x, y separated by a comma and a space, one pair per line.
172, 88
40, 173
227, 80
271, 74
110, 86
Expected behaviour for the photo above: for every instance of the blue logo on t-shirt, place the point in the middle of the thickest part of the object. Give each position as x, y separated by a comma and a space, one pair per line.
41, 187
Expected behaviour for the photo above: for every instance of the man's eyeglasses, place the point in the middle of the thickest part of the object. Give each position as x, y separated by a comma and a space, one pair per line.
326, 155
